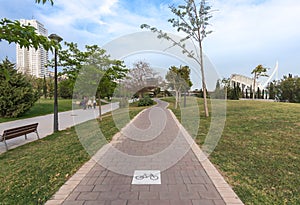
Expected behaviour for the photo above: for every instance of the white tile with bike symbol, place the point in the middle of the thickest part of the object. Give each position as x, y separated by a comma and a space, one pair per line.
146, 177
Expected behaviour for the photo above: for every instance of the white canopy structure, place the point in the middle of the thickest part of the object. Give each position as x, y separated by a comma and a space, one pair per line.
246, 83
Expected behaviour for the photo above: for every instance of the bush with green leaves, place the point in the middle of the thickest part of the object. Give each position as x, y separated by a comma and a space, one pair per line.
146, 101
16, 92
65, 89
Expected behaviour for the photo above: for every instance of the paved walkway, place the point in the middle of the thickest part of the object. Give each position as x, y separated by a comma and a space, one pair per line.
155, 141
65, 120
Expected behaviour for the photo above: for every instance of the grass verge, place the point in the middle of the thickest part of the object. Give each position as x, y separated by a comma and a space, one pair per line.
259, 151
32, 173
43, 107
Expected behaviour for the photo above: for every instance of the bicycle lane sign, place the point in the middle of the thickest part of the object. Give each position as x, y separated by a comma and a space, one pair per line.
146, 177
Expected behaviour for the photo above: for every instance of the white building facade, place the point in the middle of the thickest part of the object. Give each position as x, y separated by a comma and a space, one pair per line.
32, 61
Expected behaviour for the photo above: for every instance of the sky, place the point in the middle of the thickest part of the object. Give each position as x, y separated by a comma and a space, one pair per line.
245, 32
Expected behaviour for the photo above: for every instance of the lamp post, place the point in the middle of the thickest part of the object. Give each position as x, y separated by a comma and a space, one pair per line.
57, 39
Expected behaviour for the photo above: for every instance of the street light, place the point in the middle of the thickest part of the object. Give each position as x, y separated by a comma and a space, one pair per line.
58, 39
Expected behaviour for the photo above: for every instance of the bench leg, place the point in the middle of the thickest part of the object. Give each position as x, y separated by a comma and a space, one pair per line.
5, 145
36, 132
25, 136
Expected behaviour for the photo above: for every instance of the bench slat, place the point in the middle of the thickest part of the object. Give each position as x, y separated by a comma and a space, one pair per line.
17, 134
8, 132
22, 127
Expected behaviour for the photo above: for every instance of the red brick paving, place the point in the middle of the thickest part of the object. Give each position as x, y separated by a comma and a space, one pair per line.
186, 182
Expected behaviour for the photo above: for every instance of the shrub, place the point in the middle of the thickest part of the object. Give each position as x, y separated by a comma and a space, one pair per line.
146, 101
16, 93
65, 89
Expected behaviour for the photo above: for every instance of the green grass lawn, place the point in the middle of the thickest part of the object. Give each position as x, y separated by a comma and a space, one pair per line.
32, 173
43, 107
259, 152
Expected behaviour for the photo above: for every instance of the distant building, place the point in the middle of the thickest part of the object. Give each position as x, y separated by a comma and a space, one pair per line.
31, 61
245, 83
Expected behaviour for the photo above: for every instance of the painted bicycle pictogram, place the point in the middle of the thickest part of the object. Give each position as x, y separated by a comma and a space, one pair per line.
145, 176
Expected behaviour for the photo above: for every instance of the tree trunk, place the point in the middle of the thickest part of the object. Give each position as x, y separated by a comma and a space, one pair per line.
203, 81
177, 99
100, 111
184, 100
140, 95
253, 89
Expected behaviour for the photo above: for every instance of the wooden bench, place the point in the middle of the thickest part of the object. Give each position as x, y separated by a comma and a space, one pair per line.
18, 131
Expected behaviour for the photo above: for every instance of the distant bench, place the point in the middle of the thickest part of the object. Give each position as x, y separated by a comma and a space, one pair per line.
18, 131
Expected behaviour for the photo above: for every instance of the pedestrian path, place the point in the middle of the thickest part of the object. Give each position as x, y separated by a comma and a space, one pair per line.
65, 120
152, 160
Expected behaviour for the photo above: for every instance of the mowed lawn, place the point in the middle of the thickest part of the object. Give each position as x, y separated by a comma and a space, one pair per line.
259, 151
43, 107
32, 173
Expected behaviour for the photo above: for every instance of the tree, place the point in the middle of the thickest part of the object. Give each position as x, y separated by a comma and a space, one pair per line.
37, 84
65, 89
50, 87
219, 92
179, 80
288, 89
107, 85
98, 73
231, 90
141, 78
72, 59
258, 71
258, 93
192, 20
234, 93
45, 88
297, 90
271, 89
16, 92
24, 35
44, 1
251, 92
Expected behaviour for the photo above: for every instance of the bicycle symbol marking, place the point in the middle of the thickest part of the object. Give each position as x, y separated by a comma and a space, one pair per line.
146, 176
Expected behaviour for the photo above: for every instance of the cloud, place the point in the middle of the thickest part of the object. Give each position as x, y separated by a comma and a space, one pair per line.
247, 33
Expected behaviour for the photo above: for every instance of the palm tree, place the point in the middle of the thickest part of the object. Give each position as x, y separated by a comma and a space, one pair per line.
258, 71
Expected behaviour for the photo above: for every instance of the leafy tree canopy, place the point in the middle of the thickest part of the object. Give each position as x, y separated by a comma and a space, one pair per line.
179, 80
258, 71
44, 1
288, 89
24, 35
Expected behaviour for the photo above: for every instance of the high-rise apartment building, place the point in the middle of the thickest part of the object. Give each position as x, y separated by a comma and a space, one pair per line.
32, 61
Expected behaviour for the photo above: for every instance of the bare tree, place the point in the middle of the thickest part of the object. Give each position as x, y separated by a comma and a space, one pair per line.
141, 78
192, 19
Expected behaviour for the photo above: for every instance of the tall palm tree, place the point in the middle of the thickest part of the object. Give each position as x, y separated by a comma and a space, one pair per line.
258, 71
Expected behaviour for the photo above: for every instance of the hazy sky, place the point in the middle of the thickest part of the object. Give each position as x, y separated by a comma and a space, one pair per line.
245, 32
